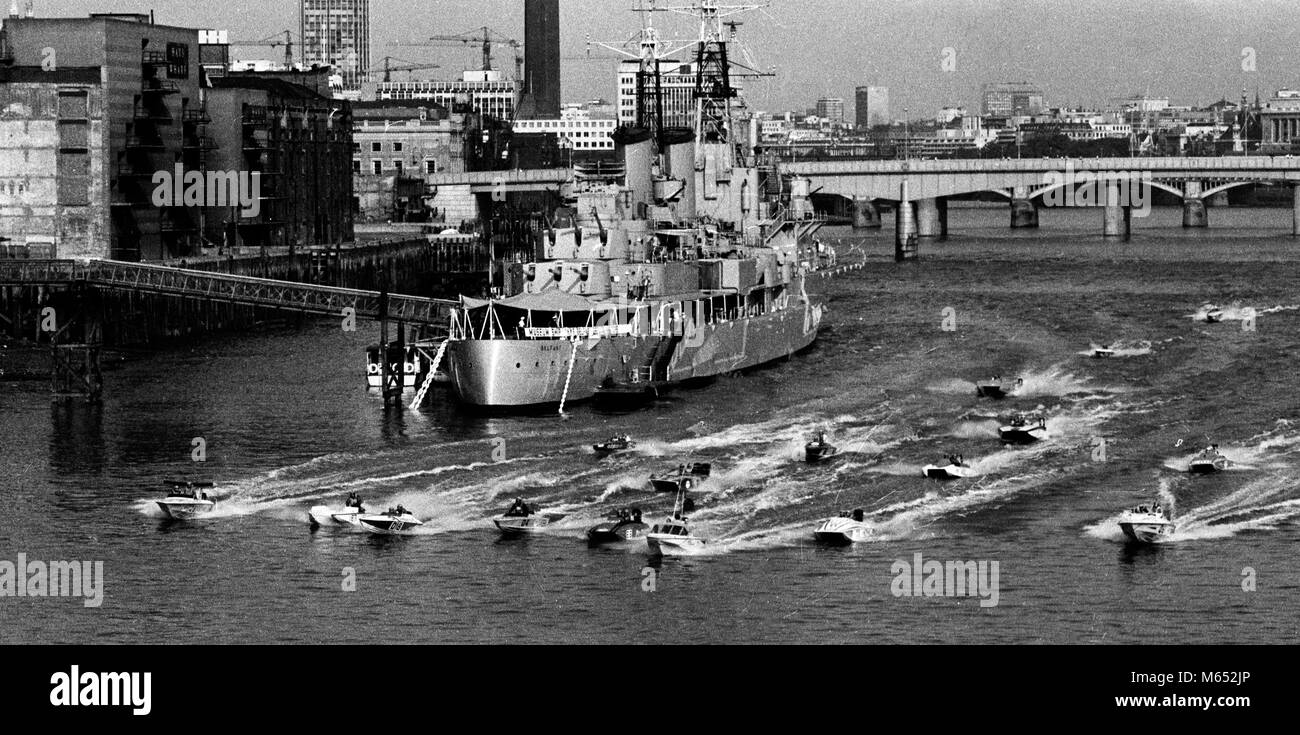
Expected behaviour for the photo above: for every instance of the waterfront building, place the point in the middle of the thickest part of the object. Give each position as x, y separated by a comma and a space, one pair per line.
147, 118
831, 110
575, 129
1011, 99
541, 83
1280, 118
299, 141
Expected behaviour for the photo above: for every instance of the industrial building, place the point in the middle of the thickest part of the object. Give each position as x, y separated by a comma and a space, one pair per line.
1011, 99
483, 92
541, 83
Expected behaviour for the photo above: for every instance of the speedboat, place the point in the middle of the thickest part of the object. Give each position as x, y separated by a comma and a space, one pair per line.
684, 478
850, 526
1023, 430
819, 449
998, 387
1146, 524
1208, 461
187, 500
623, 525
954, 467
348, 515
522, 519
673, 537
405, 364
1212, 313
1103, 351
393, 520
614, 444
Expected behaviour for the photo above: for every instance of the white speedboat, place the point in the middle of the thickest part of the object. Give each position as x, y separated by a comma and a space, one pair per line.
1211, 313
187, 500
1023, 430
954, 467
1210, 460
818, 449
524, 519
673, 537
849, 527
323, 515
1146, 524
1103, 352
998, 387
394, 520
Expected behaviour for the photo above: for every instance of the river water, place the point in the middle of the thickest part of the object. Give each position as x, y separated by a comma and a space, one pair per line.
287, 423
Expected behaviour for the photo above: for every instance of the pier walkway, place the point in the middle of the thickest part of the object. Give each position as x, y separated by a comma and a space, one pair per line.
245, 290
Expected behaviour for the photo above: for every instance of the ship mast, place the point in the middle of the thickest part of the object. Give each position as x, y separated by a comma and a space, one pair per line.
651, 49
713, 88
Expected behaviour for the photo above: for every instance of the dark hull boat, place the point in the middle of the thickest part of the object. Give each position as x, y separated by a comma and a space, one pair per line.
682, 479
618, 530
816, 451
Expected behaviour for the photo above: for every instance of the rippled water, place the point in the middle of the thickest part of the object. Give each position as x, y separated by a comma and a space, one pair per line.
288, 424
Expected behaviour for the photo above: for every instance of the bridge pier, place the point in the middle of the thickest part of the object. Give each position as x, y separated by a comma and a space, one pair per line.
932, 217
1193, 206
1116, 221
865, 214
1295, 210
1025, 212
905, 236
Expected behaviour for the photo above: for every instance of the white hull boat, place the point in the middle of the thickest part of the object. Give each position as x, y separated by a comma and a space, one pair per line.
389, 523
949, 471
1205, 465
525, 525
185, 508
843, 530
323, 515
1146, 526
674, 545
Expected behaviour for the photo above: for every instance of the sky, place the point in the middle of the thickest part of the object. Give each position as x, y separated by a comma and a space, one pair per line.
929, 53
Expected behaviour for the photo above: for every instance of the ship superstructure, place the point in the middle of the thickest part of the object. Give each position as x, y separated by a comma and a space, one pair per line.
688, 262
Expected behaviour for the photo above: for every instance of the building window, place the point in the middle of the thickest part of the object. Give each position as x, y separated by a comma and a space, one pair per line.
356, 167
397, 166
376, 147
397, 146
377, 166
431, 167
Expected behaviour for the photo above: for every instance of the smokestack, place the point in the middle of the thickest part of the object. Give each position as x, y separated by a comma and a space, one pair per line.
542, 57
13, 9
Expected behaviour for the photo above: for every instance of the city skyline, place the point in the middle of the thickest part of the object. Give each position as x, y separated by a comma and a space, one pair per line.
929, 54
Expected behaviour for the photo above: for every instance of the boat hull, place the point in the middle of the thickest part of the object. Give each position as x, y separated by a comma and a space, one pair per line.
842, 531
1146, 533
611, 533
1207, 466
669, 545
525, 525
323, 515
386, 524
1020, 435
814, 454
185, 509
948, 472
521, 372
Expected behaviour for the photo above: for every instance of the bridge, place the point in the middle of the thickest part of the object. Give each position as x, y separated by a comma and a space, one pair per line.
76, 360
488, 182
1114, 185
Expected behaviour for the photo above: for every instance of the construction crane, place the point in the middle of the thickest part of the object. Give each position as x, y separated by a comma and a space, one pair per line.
388, 69
485, 36
275, 42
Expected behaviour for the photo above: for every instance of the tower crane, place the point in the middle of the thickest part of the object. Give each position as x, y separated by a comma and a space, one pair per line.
388, 69
275, 42
485, 36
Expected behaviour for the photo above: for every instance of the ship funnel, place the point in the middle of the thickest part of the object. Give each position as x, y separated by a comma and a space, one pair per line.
679, 144
637, 149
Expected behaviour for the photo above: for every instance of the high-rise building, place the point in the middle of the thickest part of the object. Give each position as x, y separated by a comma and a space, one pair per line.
1010, 99
337, 33
831, 109
871, 107
541, 86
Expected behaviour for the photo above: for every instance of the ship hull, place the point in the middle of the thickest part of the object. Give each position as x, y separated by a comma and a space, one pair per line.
519, 373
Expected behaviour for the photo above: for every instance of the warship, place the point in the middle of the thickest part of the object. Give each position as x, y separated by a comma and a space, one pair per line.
690, 258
